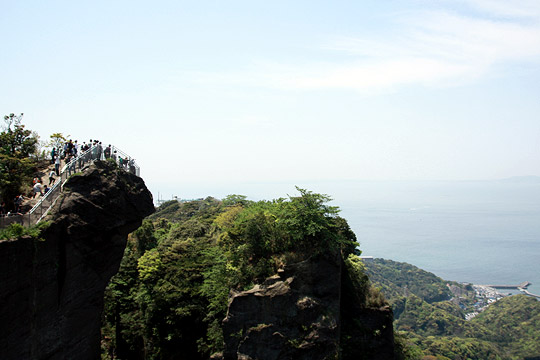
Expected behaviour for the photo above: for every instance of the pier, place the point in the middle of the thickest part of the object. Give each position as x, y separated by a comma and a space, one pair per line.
521, 287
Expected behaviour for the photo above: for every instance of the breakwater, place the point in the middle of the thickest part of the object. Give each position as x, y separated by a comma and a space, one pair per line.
526, 292
521, 287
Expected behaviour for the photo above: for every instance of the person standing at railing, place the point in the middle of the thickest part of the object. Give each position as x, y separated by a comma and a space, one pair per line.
85, 155
99, 150
66, 150
107, 152
131, 165
80, 151
88, 156
68, 164
70, 147
53, 154
94, 150
71, 165
57, 165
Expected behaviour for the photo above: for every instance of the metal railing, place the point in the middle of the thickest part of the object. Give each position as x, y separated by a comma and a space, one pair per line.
125, 161
77, 164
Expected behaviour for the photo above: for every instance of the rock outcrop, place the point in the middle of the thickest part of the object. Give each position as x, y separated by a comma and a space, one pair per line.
52, 287
306, 312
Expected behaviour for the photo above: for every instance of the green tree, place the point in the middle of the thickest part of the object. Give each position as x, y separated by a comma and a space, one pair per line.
15, 140
57, 140
234, 199
257, 238
16, 166
145, 236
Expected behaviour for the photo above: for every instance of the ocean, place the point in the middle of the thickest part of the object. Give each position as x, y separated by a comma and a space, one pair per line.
482, 232
486, 233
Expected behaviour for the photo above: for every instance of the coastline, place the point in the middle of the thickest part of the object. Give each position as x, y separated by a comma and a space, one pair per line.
486, 295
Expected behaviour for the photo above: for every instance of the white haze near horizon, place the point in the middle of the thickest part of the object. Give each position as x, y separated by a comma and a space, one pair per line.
210, 95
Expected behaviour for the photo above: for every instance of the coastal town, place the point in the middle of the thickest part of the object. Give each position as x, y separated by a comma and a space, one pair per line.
486, 295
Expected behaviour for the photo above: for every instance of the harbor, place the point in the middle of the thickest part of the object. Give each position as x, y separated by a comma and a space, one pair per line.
488, 294
521, 287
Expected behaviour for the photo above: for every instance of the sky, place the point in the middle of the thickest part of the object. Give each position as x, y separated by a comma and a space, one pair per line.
207, 95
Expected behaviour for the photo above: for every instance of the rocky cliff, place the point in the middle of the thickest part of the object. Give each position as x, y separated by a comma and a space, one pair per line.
51, 288
310, 310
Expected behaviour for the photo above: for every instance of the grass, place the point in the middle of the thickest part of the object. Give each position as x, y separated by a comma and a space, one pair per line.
16, 231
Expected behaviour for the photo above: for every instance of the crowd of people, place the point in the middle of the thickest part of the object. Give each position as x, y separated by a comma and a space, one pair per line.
74, 155
72, 151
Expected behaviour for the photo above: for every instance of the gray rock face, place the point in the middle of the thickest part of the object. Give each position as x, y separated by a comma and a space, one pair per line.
305, 312
294, 315
51, 290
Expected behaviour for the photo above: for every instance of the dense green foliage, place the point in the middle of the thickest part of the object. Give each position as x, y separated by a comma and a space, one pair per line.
258, 238
397, 279
16, 231
430, 324
155, 306
365, 294
514, 323
449, 348
170, 295
16, 164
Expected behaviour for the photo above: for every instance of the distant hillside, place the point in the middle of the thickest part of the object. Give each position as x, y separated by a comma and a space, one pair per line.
398, 280
430, 314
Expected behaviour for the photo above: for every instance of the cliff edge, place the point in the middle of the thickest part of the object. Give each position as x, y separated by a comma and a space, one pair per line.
52, 287
309, 310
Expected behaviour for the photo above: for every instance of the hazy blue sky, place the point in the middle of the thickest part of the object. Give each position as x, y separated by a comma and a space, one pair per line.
219, 92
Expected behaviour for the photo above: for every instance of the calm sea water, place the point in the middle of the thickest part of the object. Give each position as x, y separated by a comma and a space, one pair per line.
479, 232
484, 232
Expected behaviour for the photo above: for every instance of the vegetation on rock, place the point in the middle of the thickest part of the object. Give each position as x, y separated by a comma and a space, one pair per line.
17, 231
17, 146
170, 295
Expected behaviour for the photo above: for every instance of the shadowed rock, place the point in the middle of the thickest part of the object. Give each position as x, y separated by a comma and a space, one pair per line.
294, 315
307, 311
52, 289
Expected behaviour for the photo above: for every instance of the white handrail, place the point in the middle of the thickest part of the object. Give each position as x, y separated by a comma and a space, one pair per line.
96, 152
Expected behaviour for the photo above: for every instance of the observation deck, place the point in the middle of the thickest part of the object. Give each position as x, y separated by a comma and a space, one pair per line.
77, 164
